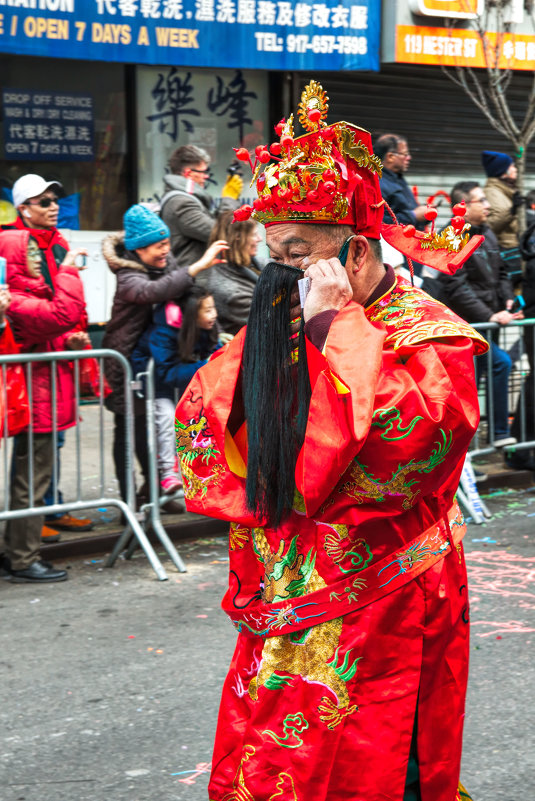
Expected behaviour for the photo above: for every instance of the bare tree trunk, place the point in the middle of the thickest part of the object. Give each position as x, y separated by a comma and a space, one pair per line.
521, 166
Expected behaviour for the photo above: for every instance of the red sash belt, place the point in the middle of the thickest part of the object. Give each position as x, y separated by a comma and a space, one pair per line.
355, 591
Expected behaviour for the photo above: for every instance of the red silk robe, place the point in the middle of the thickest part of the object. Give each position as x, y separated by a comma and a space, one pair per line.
352, 614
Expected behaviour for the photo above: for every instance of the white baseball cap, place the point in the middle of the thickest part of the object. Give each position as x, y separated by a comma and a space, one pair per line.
30, 185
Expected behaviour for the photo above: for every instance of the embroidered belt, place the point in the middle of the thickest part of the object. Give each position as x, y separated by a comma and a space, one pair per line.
355, 591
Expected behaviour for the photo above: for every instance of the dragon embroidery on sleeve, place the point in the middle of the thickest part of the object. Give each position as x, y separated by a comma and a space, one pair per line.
194, 440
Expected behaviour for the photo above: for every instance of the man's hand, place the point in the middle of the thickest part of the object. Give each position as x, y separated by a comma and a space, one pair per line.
505, 317
329, 287
79, 340
419, 213
71, 256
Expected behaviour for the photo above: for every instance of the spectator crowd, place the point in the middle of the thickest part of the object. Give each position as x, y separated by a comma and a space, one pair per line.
185, 277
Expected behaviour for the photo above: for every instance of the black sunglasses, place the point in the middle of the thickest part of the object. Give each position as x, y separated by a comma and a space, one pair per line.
45, 202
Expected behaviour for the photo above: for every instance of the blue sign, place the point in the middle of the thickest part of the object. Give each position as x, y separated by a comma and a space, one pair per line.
253, 34
47, 126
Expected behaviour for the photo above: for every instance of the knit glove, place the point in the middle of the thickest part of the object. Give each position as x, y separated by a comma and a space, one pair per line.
518, 200
233, 187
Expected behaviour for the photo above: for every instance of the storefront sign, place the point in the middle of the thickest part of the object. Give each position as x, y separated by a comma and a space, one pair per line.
450, 9
462, 48
47, 126
267, 34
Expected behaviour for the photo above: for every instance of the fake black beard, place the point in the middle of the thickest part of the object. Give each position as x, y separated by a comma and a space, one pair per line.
276, 395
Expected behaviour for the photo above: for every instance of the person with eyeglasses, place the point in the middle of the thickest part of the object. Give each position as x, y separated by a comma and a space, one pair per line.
37, 203
394, 152
187, 208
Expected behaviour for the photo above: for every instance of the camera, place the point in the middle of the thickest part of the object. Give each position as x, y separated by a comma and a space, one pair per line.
234, 168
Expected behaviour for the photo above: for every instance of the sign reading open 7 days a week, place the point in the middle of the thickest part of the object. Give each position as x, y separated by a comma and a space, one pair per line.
463, 48
267, 34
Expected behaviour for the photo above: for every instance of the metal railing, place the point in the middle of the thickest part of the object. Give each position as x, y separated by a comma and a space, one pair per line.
516, 339
151, 510
134, 529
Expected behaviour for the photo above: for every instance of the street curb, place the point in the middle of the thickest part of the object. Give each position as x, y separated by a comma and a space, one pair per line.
104, 543
199, 526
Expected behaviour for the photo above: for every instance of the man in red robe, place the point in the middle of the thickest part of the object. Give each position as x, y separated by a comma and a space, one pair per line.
336, 456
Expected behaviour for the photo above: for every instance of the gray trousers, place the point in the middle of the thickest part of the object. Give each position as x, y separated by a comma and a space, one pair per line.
164, 418
23, 535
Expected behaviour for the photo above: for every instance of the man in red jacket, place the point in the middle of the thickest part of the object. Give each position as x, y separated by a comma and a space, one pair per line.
36, 201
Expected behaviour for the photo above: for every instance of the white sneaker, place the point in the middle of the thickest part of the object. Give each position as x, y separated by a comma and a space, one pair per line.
504, 442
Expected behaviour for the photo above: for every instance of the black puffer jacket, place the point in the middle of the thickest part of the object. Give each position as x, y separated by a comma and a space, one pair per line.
481, 287
527, 248
138, 288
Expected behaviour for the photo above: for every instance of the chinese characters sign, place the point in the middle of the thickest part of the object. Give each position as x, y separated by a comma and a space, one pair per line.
188, 106
47, 126
462, 48
267, 34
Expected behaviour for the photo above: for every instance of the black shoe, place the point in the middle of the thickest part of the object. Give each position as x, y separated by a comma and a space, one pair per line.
39, 573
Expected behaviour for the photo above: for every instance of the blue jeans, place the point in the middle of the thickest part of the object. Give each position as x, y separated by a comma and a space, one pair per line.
501, 368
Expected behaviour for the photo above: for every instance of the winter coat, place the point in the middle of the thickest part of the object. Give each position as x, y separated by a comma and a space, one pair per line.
160, 342
481, 287
41, 321
232, 288
399, 196
138, 288
501, 217
190, 217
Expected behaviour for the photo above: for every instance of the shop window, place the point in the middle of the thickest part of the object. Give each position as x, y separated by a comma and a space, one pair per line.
83, 146
180, 106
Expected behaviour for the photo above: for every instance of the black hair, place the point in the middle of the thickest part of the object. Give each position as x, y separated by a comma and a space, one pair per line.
276, 405
186, 156
461, 191
188, 338
387, 143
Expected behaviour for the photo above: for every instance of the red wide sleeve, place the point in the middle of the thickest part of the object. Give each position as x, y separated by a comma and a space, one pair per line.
423, 396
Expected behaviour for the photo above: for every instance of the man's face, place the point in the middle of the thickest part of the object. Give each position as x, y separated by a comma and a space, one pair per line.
41, 211
291, 244
477, 207
198, 173
399, 160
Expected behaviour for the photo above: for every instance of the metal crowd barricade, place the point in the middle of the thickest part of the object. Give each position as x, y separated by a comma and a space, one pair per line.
128, 508
518, 340
152, 508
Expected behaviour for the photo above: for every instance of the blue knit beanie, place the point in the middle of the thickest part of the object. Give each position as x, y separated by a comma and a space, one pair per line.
143, 227
495, 164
